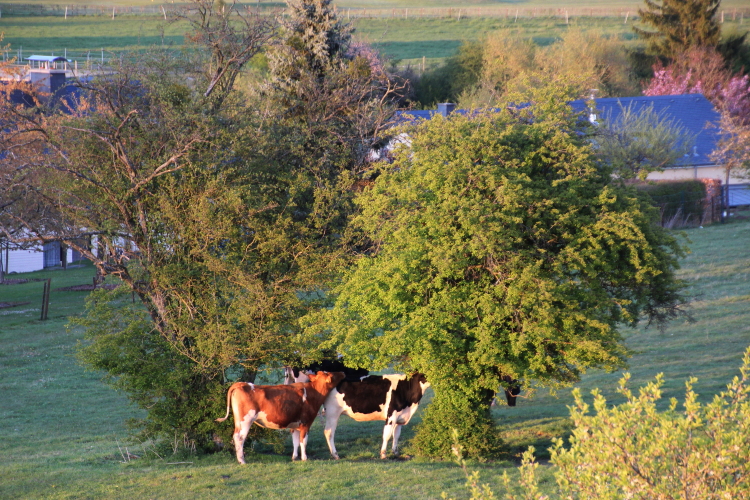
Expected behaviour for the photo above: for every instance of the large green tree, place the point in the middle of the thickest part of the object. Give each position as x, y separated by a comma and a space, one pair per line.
499, 246
677, 25
217, 218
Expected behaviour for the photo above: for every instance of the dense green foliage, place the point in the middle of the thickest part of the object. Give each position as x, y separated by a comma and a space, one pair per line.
633, 450
223, 212
485, 73
500, 247
683, 199
679, 24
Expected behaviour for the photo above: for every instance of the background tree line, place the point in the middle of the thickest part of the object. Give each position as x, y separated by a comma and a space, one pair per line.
482, 72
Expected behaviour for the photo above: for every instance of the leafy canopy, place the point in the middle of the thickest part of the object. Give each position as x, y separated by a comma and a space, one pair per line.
499, 247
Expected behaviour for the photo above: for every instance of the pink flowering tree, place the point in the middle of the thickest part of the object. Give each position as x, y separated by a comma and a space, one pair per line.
702, 70
667, 81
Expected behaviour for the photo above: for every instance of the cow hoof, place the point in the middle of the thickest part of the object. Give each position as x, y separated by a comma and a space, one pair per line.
335, 457
383, 456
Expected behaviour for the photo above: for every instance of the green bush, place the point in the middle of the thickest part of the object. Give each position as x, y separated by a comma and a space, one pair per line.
473, 426
635, 451
445, 82
677, 199
182, 404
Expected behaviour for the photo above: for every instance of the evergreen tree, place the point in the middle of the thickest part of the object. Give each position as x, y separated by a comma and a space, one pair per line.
314, 44
679, 25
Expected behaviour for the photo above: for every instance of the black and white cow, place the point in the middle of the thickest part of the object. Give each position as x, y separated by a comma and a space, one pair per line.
393, 398
512, 392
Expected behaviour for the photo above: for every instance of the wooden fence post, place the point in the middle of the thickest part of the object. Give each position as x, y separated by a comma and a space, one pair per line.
45, 298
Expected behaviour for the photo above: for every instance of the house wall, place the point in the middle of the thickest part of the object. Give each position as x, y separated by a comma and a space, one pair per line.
23, 261
26, 261
701, 172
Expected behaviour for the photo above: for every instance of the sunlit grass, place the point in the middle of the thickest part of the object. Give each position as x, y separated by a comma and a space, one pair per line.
64, 432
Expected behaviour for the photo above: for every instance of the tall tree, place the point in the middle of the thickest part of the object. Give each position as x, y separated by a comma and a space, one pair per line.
679, 24
222, 211
500, 247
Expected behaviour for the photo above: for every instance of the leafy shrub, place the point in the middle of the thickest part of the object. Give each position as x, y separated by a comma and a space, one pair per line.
445, 82
677, 198
181, 403
634, 451
474, 427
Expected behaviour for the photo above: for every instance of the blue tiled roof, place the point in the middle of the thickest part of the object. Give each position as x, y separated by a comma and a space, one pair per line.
692, 111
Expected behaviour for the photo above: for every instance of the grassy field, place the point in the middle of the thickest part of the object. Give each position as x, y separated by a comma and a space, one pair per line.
407, 38
64, 434
401, 39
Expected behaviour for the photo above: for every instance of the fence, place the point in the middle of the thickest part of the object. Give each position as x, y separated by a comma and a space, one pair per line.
625, 11
61, 10
738, 195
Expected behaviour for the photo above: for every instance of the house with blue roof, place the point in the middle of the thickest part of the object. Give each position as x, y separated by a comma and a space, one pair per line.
693, 112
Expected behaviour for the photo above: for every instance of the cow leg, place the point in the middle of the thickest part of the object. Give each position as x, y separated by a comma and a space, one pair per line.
295, 443
303, 444
332, 420
388, 431
396, 434
302, 440
240, 434
299, 441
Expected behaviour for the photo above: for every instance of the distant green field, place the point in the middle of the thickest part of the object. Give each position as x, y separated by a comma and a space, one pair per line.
403, 39
397, 4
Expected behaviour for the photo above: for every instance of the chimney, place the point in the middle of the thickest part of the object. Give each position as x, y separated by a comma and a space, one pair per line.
446, 108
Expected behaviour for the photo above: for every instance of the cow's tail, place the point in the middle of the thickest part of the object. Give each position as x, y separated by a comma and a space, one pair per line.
229, 404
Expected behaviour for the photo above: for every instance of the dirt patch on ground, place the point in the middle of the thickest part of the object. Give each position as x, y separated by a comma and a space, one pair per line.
12, 304
19, 281
85, 288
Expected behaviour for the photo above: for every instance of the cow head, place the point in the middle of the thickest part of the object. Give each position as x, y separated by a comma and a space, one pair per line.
419, 383
292, 375
325, 381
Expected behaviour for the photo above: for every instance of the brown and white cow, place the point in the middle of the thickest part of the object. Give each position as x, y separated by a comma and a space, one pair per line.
393, 398
291, 407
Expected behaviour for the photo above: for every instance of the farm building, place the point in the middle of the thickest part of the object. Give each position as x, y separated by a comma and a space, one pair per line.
16, 260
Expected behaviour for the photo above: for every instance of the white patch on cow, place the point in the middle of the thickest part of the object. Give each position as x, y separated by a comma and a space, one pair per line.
402, 417
304, 394
394, 380
252, 386
263, 421
247, 420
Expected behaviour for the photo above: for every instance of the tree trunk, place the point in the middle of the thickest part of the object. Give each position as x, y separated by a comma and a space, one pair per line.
63, 255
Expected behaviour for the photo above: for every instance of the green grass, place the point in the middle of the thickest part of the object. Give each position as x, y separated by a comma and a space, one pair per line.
64, 434
398, 38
